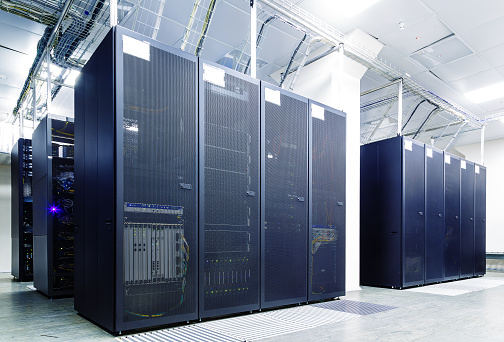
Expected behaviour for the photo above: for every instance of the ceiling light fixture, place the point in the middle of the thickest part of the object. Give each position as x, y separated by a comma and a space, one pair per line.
351, 8
485, 94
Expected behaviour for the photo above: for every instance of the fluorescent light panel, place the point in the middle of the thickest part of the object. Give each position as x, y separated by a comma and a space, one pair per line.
350, 8
486, 93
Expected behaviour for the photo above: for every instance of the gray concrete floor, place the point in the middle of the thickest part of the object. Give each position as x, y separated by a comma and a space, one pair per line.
27, 315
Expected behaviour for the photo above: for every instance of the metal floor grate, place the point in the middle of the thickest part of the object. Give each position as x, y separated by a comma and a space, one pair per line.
191, 333
263, 325
460, 287
358, 308
310, 316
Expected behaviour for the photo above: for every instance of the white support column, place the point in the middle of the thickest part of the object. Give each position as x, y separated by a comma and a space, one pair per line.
341, 67
48, 100
34, 103
399, 108
483, 145
113, 13
253, 38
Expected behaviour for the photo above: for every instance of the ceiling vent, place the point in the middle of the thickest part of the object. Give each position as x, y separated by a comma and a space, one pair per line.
445, 50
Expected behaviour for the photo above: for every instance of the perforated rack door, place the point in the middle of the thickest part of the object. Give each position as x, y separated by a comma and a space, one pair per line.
480, 220
413, 238
229, 201
326, 247
434, 215
285, 197
452, 219
159, 206
466, 219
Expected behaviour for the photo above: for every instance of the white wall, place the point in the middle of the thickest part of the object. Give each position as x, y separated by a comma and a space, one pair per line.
321, 81
494, 162
5, 219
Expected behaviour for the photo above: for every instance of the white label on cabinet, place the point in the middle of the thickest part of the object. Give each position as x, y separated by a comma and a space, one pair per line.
317, 112
136, 48
463, 164
214, 75
476, 168
429, 152
272, 96
447, 159
408, 145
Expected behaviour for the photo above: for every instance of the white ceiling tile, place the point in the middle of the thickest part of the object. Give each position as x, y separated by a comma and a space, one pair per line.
19, 39
442, 52
15, 66
461, 68
501, 70
479, 80
418, 35
327, 11
398, 60
384, 18
22, 23
170, 33
487, 35
494, 56
464, 15
496, 105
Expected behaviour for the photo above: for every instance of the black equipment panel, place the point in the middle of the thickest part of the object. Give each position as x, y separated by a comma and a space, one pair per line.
466, 219
479, 220
326, 243
229, 197
285, 197
413, 213
159, 224
452, 217
434, 215
22, 211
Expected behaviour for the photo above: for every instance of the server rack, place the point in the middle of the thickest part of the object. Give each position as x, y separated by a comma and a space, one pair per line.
434, 215
452, 218
229, 192
22, 211
327, 182
392, 213
53, 207
466, 219
284, 192
479, 220
136, 119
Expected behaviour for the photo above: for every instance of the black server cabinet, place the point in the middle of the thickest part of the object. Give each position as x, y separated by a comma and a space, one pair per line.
466, 219
479, 220
53, 207
229, 191
327, 182
393, 213
284, 191
452, 217
434, 215
21, 211
136, 145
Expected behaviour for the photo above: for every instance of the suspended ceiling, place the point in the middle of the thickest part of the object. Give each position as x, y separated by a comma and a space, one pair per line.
449, 47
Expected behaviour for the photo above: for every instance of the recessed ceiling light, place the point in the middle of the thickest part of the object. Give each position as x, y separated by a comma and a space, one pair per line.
3, 77
486, 93
351, 8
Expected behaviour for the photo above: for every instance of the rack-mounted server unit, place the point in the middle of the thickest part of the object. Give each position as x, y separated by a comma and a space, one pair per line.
434, 215
327, 194
392, 213
53, 207
21, 211
170, 190
229, 191
284, 204
479, 220
452, 220
422, 215
136, 136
